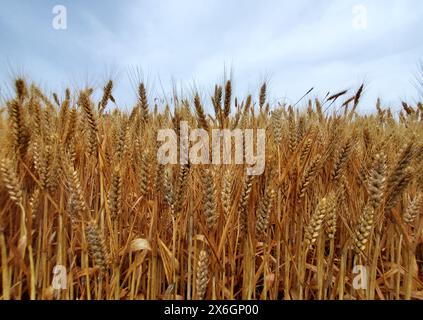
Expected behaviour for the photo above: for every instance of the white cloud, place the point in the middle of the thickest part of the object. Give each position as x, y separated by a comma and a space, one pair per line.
298, 45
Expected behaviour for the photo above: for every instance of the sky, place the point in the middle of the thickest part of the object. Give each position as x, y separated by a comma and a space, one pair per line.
294, 45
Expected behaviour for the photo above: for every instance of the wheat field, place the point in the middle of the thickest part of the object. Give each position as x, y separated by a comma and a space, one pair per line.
81, 188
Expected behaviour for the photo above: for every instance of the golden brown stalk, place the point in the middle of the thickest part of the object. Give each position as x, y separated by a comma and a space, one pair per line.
176, 122
21, 89
168, 191
308, 177
300, 129
337, 95
71, 151
267, 109
72, 208
358, 96
313, 229
121, 141
413, 209
367, 138
107, 93
158, 177
201, 117
276, 124
248, 103
115, 195
379, 105
228, 95
243, 206
363, 229
409, 110
75, 190
331, 144
34, 200
19, 131
51, 166
245, 113
341, 160
332, 215
46, 165
64, 113
142, 93
310, 112
217, 101
397, 190
182, 186
263, 213
262, 96
56, 98
292, 131
71, 126
11, 181
305, 150
202, 277
209, 203
39, 163
341, 193
84, 102
319, 110
144, 175
37, 92
48, 123
37, 118
226, 193
67, 94
377, 181
97, 246
367, 219
390, 118
404, 160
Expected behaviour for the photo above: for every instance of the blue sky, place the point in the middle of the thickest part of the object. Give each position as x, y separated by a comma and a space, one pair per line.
295, 45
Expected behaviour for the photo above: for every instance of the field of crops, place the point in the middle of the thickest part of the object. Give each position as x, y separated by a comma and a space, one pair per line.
88, 212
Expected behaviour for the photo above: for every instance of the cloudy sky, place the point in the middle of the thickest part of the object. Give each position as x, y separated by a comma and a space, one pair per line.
295, 45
